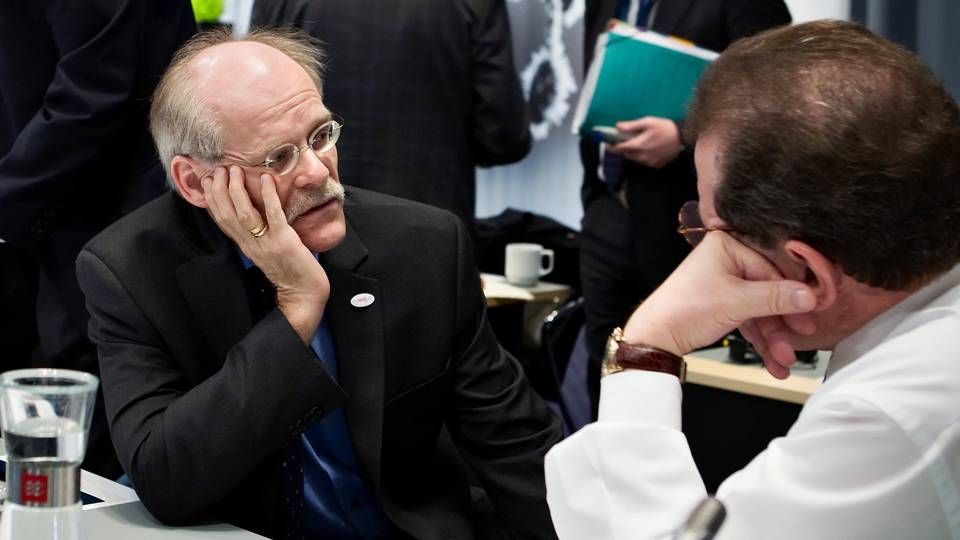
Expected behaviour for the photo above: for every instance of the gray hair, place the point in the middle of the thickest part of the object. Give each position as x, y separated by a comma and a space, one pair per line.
181, 122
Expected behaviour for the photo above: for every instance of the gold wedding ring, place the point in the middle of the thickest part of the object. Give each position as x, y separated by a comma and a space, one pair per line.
259, 231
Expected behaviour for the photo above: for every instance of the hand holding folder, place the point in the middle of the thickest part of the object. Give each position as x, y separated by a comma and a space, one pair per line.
637, 73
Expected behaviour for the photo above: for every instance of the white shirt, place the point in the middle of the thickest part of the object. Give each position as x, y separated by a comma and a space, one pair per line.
874, 454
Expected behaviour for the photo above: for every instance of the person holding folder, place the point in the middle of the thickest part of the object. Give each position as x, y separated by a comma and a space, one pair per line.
633, 190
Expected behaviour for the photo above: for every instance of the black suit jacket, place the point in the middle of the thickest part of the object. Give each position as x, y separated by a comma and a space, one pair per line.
75, 154
427, 90
75, 85
202, 396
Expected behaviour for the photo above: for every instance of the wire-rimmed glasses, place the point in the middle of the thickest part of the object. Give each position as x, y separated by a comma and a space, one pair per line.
691, 225
284, 158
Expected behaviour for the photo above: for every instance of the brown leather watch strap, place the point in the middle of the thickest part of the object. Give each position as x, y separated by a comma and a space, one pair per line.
649, 358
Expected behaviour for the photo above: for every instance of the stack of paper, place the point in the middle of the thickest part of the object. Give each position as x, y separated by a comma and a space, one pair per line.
638, 73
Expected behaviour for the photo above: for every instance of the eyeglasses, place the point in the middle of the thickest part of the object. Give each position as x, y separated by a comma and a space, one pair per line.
691, 225
284, 158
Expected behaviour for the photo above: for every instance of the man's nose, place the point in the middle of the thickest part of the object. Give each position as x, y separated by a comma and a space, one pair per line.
313, 169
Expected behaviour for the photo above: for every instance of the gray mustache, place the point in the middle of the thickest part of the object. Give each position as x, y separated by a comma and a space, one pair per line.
305, 201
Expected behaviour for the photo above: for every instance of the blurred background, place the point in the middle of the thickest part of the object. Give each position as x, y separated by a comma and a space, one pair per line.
548, 37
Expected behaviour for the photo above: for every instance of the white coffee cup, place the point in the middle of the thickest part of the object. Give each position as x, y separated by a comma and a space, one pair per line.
524, 264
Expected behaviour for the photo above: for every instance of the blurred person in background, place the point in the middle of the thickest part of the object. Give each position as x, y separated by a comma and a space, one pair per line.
75, 155
429, 87
632, 191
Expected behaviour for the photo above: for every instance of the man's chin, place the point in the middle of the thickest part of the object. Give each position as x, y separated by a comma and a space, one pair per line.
322, 231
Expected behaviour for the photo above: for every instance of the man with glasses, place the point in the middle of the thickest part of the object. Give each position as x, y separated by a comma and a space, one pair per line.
298, 358
828, 164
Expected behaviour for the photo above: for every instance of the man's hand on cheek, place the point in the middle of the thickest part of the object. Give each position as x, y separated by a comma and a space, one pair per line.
301, 283
720, 286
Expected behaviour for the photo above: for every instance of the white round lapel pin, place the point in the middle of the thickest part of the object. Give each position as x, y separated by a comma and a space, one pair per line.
362, 300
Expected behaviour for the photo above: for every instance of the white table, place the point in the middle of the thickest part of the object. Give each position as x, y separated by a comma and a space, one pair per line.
121, 515
131, 521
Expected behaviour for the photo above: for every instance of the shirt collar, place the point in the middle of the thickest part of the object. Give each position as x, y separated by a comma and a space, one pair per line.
883, 326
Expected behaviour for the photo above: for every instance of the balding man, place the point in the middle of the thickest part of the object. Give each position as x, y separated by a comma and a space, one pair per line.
293, 357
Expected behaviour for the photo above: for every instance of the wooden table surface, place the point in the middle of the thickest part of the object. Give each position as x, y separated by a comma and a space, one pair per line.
710, 367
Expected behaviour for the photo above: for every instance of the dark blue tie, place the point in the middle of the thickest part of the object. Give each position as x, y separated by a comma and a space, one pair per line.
291, 468
644, 12
612, 165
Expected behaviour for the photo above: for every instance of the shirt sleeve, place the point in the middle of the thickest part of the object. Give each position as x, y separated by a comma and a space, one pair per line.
630, 474
845, 470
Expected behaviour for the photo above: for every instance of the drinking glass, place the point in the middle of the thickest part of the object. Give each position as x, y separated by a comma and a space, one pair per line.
45, 415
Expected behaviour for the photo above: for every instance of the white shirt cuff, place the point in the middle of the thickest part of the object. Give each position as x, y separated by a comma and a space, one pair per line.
641, 397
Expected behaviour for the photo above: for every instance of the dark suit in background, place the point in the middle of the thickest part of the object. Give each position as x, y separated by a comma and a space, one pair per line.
203, 393
427, 90
626, 253
75, 153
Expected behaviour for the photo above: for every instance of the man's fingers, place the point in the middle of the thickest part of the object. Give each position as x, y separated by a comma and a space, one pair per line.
220, 206
749, 332
637, 143
747, 263
207, 184
271, 203
247, 215
770, 340
769, 298
801, 323
775, 369
752, 334
756, 338
780, 355
628, 146
633, 125
775, 335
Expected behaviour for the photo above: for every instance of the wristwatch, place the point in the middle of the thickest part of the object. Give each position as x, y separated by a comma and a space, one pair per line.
621, 355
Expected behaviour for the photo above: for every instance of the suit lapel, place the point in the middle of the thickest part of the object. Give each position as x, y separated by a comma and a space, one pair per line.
359, 341
214, 287
669, 14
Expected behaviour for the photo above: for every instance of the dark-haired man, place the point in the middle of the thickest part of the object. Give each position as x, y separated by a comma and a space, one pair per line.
829, 181
298, 360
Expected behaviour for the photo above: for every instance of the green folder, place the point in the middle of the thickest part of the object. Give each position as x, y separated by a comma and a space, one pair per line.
638, 73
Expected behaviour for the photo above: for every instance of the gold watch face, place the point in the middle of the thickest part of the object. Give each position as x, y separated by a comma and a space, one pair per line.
609, 364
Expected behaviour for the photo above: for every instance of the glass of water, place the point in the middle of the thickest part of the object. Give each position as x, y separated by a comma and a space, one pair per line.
45, 415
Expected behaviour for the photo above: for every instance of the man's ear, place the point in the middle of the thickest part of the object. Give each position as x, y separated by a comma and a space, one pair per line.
820, 273
186, 177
